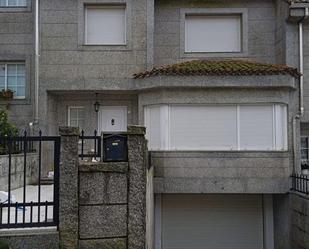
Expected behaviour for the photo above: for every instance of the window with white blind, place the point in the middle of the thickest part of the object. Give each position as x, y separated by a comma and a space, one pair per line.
222, 127
76, 116
13, 3
13, 77
304, 150
105, 25
213, 33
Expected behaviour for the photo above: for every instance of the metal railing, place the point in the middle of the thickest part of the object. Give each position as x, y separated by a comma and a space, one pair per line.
30, 209
300, 183
17, 146
90, 146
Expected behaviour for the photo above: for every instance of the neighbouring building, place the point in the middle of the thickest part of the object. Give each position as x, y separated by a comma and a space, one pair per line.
218, 85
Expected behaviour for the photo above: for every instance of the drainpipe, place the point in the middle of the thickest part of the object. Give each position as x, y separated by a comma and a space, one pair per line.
301, 83
37, 61
301, 61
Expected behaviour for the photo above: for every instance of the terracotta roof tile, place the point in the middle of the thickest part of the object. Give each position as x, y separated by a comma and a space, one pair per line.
218, 68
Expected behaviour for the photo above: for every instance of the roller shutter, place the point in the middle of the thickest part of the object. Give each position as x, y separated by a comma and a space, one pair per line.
212, 222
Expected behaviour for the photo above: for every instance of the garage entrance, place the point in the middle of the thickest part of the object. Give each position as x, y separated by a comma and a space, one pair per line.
211, 222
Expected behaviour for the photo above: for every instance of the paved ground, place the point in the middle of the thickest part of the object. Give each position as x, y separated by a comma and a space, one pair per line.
31, 195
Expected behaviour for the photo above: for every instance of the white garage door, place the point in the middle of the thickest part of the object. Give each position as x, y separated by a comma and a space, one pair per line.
212, 222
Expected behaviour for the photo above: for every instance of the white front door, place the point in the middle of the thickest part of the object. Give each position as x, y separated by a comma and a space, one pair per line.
112, 119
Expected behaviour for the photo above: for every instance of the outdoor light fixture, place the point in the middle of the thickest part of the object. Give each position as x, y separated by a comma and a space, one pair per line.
96, 104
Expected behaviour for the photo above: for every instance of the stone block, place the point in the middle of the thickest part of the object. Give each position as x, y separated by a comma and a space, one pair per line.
102, 221
32, 241
103, 243
99, 188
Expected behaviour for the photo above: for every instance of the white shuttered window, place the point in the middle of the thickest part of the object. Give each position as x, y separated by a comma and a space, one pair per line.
256, 129
105, 25
223, 127
206, 33
196, 132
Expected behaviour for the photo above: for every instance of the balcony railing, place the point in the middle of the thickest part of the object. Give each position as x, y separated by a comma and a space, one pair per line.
300, 183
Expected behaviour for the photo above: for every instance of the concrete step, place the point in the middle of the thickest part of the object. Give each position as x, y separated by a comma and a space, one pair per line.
47, 180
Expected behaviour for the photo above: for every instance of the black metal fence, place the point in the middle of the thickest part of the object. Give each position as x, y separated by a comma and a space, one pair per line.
300, 183
90, 146
29, 206
111, 147
17, 147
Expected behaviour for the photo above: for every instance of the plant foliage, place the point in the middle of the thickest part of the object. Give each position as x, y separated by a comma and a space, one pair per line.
7, 129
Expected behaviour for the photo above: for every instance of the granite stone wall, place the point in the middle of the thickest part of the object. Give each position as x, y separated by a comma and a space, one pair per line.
31, 239
103, 205
291, 221
17, 170
299, 221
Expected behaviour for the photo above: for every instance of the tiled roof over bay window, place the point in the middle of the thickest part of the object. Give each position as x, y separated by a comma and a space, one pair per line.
219, 68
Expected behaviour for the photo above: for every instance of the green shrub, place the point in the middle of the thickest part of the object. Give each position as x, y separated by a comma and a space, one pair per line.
7, 128
4, 245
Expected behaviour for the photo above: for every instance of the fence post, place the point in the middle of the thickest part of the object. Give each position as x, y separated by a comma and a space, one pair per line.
137, 158
68, 188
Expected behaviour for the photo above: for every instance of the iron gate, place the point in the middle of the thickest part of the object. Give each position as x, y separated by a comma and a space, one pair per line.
29, 205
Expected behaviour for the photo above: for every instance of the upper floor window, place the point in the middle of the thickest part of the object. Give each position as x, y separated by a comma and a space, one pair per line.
76, 116
213, 33
13, 77
105, 25
13, 3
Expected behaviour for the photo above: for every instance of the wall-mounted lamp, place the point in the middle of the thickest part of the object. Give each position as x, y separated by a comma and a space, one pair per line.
96, 104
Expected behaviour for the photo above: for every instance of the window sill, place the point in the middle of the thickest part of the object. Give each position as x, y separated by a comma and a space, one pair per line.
214, 54
93, 47
15, 9
15, 101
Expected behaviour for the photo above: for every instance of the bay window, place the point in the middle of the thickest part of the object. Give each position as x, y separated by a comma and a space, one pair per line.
220, 127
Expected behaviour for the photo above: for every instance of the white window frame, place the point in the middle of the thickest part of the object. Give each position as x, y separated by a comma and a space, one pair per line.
307, 148
165, 134
69, 113
6, 77
13, 6
188, 19
102, 6
242, 12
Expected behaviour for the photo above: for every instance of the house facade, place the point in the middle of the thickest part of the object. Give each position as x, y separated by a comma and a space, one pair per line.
218, 85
